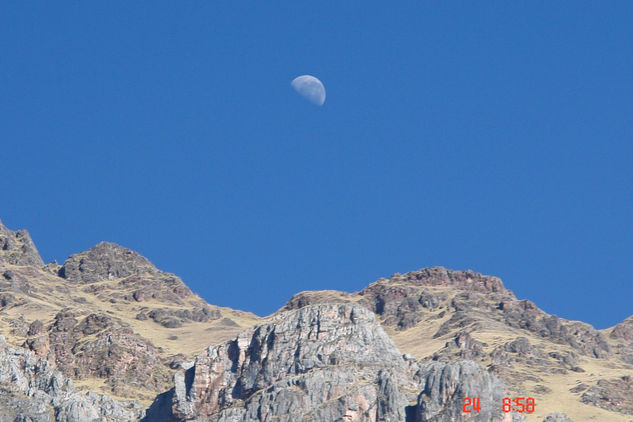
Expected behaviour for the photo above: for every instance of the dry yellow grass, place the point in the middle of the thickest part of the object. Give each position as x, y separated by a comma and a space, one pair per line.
53, 294
419, 342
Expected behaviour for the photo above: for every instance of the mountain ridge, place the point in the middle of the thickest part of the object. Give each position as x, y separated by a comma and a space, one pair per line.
114, 323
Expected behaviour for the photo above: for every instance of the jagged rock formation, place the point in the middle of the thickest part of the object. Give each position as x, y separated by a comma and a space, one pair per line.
113, 320
17, 248
32, 390
323, 363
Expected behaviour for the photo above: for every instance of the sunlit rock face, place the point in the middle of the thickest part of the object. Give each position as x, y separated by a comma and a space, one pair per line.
17, 248
32, 390
323, 363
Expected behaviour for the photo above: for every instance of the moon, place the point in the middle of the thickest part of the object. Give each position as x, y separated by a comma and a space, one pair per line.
309, 88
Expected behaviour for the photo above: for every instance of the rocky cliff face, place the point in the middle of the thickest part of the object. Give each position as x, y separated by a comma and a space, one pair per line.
17, 248
324, 363
31, 390
107, 317
443, 315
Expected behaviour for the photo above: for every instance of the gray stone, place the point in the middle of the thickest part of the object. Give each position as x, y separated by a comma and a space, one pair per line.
557, 417
105, 261
32, 390
17, 248
328, 362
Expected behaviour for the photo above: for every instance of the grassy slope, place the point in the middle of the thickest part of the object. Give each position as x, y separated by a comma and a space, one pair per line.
50, 294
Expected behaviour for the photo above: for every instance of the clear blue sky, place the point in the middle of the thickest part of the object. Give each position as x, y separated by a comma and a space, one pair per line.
495, 136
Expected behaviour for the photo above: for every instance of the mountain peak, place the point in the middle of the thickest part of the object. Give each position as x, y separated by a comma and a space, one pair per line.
440, 276
105, 261
17, 248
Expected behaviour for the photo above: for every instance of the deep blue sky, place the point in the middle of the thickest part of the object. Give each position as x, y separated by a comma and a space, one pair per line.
491, 136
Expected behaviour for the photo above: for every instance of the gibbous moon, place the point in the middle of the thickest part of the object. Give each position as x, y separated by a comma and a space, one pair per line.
310, 88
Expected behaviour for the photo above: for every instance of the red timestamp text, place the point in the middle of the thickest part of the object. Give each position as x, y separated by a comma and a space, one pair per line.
471, 404
517, 404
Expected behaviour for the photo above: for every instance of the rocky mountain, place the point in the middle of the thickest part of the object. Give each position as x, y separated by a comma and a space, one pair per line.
324, 363
107, 317
439, 315
106, 336
32, 390
17, 248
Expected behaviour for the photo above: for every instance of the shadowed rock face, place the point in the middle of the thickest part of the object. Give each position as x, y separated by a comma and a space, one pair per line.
17, 248
31, 390
322, 363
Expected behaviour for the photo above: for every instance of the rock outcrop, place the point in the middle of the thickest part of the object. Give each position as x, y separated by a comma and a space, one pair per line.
17, 248
98, 346
557, 417
105, 261
323, 363
32, 390
444, 385
402, 299
615, 395
623, 331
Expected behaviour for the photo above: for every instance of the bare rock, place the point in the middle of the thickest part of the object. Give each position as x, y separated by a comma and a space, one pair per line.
445, 385
32, 390
321, 363
17, 248
462, 346
105, 261
615, 395
98, 345
19, 326
579, 388
171, 318
138, 296
521, 346
36, 328
440, 276
308, 298
582, 337
557, 417
623, 331
8, 300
